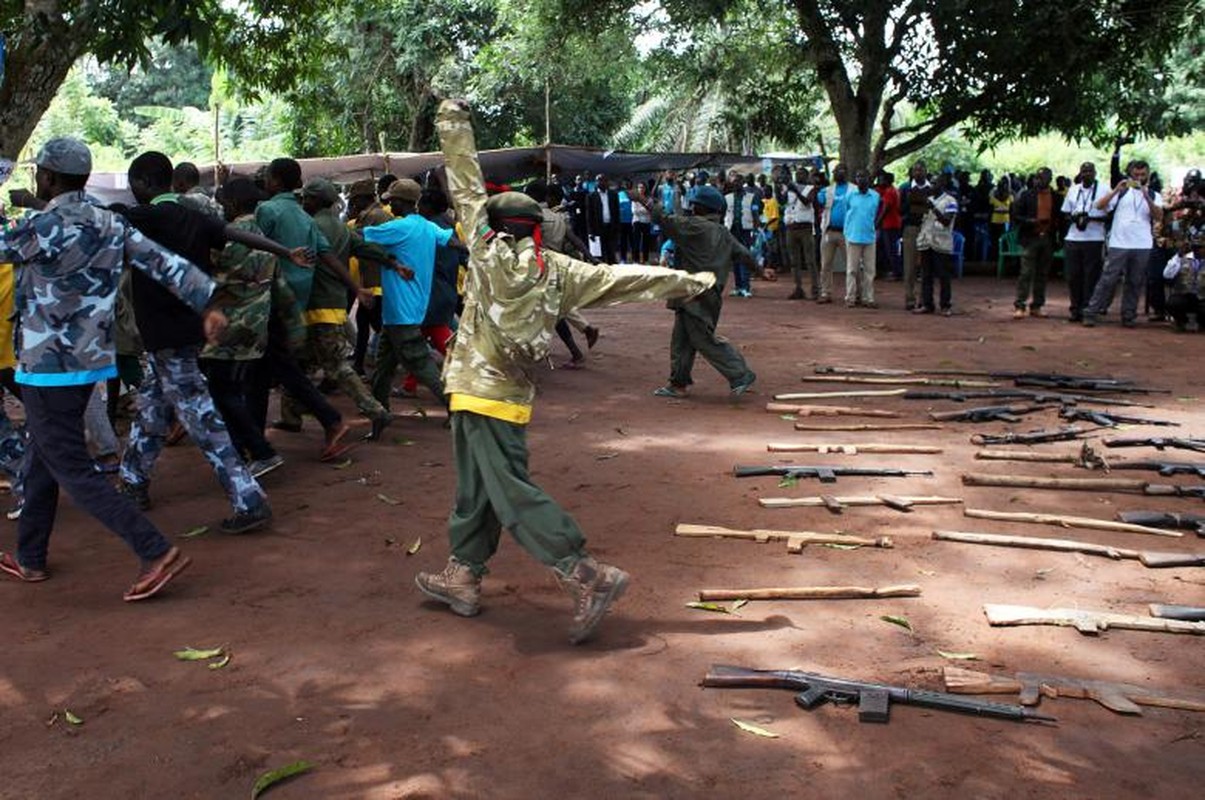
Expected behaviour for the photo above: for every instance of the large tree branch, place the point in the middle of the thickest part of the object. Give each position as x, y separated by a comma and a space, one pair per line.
925, 132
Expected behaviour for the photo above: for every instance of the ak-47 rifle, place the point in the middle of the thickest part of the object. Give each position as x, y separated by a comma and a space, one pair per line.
1165, 519
1031, 437
1108, 419
1052, 377
1023, 394
1160, 443
988, 413
1164, 468
1083, 384
826, 474
874, 699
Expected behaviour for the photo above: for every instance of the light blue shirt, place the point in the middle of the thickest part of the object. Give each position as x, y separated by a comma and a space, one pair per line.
837, 220
859, 213
412, 240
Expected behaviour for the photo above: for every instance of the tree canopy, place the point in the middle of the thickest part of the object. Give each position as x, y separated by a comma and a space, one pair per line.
996, 68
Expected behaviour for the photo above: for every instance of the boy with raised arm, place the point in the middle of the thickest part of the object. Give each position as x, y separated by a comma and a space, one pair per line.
515, 293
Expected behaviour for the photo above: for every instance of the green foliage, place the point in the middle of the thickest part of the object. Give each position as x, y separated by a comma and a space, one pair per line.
592, 79
173, 75
717, 86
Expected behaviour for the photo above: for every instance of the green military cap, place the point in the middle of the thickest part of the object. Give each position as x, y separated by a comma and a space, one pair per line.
513, 205
322, 190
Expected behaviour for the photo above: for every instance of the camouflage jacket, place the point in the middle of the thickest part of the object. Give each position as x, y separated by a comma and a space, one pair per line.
511, 305
244, 295
70, 258
196, 199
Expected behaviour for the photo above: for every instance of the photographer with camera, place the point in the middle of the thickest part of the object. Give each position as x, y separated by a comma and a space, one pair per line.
1084, 244
1135, 207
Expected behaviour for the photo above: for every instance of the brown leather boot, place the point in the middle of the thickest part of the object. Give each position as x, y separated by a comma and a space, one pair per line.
456, 585
594, 587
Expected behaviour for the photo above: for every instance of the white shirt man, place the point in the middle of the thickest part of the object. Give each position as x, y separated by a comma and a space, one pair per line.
1083, 247
1135, 209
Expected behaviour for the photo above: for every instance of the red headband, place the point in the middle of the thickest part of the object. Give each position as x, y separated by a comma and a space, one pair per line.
537, 236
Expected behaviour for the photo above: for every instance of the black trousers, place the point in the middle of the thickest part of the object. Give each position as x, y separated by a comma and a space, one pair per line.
1084, 262
231, 385
935, 265
58, 457
1156, 287
367, 321
282, 368
1179, 306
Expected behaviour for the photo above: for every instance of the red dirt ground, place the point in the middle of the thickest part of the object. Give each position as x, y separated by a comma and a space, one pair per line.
338, 660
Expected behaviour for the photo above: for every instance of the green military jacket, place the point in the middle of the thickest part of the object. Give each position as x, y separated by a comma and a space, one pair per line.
329, 292
511, 304
245, 279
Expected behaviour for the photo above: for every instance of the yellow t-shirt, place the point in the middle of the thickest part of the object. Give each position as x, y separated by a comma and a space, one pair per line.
769, 210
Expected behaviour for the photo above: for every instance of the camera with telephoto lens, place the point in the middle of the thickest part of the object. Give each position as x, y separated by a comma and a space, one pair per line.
1080, 220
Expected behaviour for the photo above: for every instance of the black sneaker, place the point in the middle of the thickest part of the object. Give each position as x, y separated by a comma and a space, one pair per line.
743, 386
140, 493
379, 424
247, 521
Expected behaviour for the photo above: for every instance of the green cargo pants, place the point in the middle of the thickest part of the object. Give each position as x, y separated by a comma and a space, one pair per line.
494, 491
404, 345
694, 332
1036, 259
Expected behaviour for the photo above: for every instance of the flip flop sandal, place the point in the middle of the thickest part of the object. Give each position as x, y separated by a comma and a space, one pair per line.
150, 584
9, 564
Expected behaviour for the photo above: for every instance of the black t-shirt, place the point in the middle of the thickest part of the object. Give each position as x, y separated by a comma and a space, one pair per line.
163, 320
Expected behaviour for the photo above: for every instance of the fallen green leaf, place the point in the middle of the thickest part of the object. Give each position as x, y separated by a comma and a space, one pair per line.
220, 663
836, 546
269, 779
606, 456
195, 532
384, 498
343, 464
716, 607
788, 417
1042, 573
1029, 347
930, 573
754, 729
958, 656
414, 548
403, 441
74, 720
1186, 399
788, 482
894, 620
193, 654
737, 605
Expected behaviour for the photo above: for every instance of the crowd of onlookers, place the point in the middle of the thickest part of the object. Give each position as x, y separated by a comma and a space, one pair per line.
1126, 229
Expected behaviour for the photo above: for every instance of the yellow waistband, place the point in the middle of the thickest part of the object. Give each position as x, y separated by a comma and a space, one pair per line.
329, 316
507, 412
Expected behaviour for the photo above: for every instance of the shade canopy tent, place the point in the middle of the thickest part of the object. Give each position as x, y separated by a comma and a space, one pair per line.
501, 166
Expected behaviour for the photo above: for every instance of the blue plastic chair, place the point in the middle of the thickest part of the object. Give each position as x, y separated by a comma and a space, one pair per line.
959, 245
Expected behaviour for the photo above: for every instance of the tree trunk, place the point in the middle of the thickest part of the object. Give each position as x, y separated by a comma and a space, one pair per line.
422, 122
35, 68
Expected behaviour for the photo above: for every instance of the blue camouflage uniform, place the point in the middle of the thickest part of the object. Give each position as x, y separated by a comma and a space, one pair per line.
69, 259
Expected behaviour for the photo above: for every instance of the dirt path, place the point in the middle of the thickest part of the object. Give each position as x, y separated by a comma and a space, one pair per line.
336, 658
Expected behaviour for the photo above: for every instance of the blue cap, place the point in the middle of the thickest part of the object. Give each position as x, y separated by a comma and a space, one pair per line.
710, 198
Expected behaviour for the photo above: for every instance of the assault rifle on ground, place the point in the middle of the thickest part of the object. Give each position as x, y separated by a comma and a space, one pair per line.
874, 699
826, 474
988, 413
1031, 437
1164, 468
1083, 384
1085, 485
1023, 394
1053, 377
1160, 443
1164, 519
1108, 419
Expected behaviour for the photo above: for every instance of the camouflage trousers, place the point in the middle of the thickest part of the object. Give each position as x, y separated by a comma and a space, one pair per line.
406, 346
327, 349
174, 380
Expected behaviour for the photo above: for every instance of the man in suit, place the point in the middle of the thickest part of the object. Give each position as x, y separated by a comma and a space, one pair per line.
602, 217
